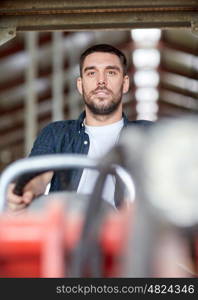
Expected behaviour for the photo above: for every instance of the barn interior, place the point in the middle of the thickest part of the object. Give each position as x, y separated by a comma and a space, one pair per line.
39, 61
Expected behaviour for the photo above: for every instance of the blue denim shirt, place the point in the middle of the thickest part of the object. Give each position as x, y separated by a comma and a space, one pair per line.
68, 137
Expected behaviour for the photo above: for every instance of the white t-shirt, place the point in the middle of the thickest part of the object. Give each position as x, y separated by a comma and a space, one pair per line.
102, 139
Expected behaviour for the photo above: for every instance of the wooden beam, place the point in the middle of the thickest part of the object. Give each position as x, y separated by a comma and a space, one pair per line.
177, 89
171, 110
177, 69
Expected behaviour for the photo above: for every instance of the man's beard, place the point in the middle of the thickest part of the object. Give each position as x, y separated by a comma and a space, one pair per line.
105, 109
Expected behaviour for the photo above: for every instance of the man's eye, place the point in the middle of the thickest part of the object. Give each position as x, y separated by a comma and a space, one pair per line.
92, 73
111, 72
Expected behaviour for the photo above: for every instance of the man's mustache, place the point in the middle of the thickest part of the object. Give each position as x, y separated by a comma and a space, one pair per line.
100, 88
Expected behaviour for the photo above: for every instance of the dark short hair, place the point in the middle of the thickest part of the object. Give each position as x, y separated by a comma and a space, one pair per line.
107, 49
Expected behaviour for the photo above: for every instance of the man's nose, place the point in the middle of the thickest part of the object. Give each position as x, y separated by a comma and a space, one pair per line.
101, 79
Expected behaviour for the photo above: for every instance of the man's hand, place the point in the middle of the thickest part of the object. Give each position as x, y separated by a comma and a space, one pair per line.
15, 202
32, 189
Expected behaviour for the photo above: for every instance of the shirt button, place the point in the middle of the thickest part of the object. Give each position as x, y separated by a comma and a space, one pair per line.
85, 142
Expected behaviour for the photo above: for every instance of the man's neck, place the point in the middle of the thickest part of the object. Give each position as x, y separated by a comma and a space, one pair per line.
102, 120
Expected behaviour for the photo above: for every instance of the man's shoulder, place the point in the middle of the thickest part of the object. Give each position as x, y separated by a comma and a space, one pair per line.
64, 124
140, 123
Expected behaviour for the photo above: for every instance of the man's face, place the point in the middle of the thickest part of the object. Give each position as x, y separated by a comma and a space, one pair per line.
102, 83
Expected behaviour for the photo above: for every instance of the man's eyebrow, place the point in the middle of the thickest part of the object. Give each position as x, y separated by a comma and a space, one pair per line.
113, 68
89, 68
107, 68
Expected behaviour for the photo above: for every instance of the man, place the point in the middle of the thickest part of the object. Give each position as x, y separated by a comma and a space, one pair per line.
102, 83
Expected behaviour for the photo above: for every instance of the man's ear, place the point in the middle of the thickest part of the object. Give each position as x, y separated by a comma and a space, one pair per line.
125, 84
79, 85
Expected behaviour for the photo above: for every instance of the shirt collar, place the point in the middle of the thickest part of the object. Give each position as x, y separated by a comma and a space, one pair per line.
80, 121
126, 121
81, 118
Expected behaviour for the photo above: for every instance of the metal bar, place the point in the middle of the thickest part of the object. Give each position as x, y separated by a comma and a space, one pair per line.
57, 77
98, 14
97, 10
93, 21
7, 34
60, 4
31, 94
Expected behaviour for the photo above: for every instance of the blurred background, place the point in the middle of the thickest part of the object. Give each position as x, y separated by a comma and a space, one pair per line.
40, 63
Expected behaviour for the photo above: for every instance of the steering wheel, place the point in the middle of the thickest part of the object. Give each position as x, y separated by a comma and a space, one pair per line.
23, 170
